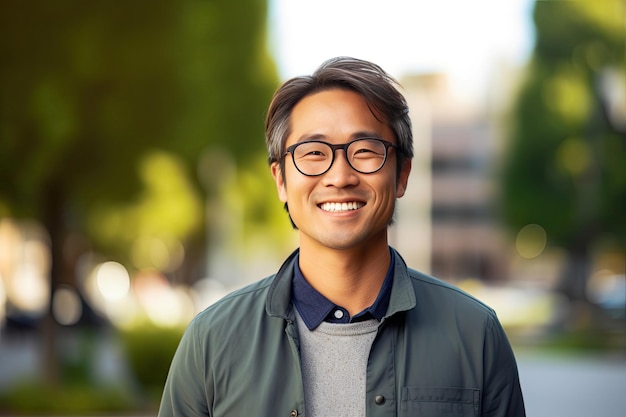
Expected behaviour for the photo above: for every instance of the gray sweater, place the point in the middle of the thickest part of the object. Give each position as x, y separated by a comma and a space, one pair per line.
334, 364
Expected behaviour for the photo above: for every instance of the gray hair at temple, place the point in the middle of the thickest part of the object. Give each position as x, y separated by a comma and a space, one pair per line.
365, 78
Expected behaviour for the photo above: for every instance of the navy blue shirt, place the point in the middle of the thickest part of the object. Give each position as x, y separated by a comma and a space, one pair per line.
314, 308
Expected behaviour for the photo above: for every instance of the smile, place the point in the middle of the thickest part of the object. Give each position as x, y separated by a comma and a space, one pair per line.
347, 206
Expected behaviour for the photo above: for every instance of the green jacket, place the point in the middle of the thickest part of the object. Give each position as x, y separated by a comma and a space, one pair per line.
438, 352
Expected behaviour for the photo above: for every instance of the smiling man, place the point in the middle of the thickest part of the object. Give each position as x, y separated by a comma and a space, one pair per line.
344, 328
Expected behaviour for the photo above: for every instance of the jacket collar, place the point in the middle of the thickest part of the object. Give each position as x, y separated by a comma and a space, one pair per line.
279, 303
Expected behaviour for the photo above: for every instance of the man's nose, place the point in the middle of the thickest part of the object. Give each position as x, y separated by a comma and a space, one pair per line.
340, 173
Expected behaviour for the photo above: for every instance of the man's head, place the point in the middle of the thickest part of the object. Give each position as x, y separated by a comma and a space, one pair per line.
342, 140
363, 77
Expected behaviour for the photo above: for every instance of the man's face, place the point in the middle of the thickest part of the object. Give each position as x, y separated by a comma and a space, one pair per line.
339, 116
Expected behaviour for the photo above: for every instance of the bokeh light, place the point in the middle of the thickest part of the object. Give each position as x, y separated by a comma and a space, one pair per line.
67, 307
113, 280
123, 312
24, 266
28, 289
163, 304
531, 241
3, 301
607, 288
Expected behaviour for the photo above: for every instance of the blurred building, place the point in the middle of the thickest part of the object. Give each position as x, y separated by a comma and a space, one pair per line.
448, 224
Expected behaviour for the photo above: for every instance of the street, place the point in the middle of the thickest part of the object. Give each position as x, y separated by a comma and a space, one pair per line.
573, 386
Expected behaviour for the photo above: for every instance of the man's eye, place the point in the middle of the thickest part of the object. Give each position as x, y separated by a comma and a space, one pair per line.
314, 154
365, 152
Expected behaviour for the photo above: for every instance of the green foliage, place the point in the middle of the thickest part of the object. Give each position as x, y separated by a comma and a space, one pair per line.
168, 208
149, 350
262, 214
92, 93
583, 340
37, 399
562, 168
227, 77
84, 90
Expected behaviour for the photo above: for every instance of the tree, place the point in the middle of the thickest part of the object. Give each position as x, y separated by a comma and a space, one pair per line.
106, 107
565, 166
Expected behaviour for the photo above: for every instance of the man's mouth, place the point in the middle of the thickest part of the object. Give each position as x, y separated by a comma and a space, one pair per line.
345, 206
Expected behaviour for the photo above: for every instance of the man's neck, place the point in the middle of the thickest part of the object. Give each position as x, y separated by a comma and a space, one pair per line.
350, 278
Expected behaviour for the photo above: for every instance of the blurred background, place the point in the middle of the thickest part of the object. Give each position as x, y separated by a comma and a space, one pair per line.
135, 191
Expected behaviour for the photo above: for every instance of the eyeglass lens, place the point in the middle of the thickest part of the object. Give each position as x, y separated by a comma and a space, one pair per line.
364, 155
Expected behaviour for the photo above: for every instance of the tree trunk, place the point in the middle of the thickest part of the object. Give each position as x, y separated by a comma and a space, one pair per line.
53, 221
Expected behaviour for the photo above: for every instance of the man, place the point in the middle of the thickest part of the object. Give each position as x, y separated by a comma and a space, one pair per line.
344, 328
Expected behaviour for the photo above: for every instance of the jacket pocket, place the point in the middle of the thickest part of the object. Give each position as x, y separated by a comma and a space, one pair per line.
439, 402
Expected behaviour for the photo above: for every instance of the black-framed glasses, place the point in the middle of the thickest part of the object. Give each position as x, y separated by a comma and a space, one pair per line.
315, 157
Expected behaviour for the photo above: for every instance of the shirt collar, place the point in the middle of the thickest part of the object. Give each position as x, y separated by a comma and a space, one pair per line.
314, 308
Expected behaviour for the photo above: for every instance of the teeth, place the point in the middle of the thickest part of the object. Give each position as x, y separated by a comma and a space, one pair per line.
352, 205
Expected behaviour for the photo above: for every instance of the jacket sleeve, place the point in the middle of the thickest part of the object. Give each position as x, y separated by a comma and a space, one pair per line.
185, 392
502, 392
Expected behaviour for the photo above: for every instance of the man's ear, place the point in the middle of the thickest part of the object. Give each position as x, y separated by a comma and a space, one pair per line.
403, 178
279, 179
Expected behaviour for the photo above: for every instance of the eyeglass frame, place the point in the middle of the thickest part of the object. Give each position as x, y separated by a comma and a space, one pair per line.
334, 148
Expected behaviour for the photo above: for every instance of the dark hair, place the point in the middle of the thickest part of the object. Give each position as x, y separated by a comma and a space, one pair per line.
365, 78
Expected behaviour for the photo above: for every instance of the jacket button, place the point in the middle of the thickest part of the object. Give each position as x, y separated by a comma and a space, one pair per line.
380, 399
294, 413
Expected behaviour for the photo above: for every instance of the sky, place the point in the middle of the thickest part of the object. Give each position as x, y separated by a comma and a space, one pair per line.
463, 38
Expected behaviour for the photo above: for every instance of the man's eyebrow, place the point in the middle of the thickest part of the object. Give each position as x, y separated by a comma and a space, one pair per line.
366, 134
355, 135
311, 136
